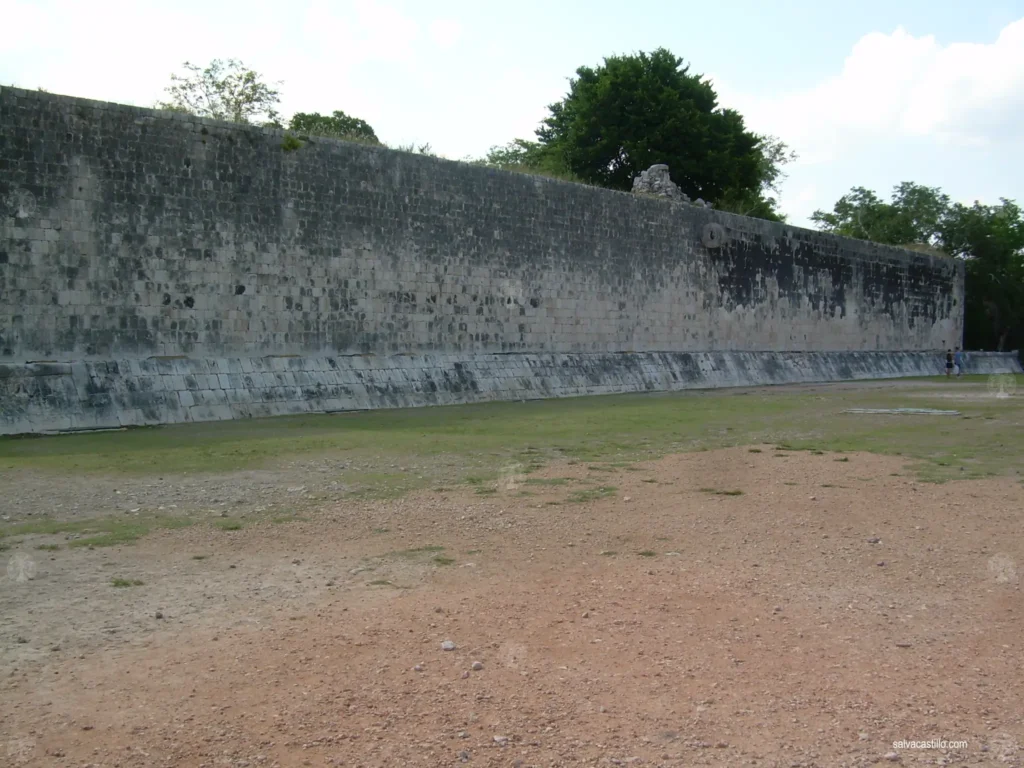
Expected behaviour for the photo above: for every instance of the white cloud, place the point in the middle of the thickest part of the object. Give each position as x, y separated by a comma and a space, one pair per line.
368, 32
897, 86
445, 32
900, 108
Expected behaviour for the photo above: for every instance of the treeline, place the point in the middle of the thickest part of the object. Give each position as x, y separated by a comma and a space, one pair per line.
633, 111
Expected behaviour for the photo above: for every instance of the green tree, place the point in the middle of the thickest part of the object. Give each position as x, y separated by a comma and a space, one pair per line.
991, 240
528, 157
224, 90
336, 125
762, 203
914, 215
633, 111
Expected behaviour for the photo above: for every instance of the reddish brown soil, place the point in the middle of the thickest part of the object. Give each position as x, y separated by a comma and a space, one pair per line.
831, 609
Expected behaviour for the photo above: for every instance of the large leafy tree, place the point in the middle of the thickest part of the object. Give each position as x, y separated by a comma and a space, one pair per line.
989, 238
622, 117
914, 215
336, 125
224, 90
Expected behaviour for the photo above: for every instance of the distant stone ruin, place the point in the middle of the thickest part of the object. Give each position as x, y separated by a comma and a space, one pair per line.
656, 181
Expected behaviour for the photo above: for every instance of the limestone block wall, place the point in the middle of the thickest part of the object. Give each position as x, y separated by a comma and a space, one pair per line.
127, 233
44, 397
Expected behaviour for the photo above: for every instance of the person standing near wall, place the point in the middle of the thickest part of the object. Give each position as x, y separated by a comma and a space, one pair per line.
958, 361
949, 362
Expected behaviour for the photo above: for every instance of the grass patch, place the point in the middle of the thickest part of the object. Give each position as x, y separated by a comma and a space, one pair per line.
443, 560
382, 485
121, 583
547, 480
481, 439
592, 494
229, 525
754, 450
381, 530
98, 532
608, 553
647, 553
844, 458
49, 547
599, 468
199, 557
486, 490
718, 492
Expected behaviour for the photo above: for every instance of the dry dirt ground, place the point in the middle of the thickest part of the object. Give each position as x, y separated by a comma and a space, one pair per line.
736, 607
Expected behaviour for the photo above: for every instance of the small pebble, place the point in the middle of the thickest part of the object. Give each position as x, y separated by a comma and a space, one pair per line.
418, 668
477, 666
447, 645
159, 614
892, 756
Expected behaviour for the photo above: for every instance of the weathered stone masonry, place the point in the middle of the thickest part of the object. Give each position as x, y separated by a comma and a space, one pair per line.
128, 234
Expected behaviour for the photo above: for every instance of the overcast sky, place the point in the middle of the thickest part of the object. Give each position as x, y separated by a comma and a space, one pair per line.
869, 93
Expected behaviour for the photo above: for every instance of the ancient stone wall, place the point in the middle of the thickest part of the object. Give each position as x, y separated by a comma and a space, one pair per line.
126, 232
131, 237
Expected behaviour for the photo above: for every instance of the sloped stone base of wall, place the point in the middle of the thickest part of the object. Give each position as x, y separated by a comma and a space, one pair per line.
51, 397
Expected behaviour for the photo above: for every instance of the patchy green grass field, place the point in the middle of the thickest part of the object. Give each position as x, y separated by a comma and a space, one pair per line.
474, 443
